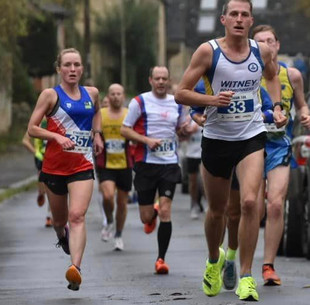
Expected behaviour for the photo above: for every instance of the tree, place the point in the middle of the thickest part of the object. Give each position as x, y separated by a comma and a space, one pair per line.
39, 47
13, 21
140, 21
73, 38
303, 6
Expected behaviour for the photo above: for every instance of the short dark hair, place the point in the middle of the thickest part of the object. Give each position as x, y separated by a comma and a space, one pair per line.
224, 10
152, 69
264, 28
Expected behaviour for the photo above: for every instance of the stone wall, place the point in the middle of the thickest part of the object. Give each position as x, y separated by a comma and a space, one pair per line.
5, 111
5, 93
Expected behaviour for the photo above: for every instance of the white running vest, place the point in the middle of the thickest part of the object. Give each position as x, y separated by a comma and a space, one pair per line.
193, 149
242, 119
156, 118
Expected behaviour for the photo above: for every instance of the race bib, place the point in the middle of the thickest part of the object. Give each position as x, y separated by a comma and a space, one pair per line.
81, 139
195, 138
241, 108
115, 146
271, 127
166, 148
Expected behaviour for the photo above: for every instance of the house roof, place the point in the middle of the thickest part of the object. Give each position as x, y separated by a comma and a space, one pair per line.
52, 8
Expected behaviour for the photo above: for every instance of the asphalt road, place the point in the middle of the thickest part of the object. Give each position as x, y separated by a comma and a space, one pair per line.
17, 164
32, 269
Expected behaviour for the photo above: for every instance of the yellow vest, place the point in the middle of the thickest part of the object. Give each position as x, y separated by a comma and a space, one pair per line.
287, 90
116, 149
287, 94
39, 144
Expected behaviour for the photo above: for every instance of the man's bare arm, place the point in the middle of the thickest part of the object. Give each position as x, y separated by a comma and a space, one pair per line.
200, 63
130, 134
273, 84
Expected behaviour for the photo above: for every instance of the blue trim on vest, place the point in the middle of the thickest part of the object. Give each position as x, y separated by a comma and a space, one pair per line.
215, 58
266, 100
200, 87
141, 103
283, 64
77, 110
256, 53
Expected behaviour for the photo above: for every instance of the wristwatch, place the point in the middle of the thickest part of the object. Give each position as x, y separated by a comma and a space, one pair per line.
96, 131
278, 104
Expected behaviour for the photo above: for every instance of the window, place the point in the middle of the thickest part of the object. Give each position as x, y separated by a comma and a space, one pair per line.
206, 24
208, 4
260, 3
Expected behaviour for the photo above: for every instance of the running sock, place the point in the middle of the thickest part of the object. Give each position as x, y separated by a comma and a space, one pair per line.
231, 254
194, 203
245, 275
109, 219
60, 232
118, 234
163, 238
271, 265
214, 261
155, 214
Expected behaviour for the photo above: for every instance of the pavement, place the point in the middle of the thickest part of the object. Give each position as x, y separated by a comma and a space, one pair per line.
32, 269
17, 168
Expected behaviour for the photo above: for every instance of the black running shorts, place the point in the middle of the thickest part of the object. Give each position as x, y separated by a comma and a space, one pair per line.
193, 165
121, 177
219, 157
58, 184
150, 178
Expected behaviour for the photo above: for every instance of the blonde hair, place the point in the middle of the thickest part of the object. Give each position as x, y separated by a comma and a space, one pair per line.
63, 52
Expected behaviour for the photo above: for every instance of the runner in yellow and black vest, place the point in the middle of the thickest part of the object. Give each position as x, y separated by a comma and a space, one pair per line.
114, 166
279, 152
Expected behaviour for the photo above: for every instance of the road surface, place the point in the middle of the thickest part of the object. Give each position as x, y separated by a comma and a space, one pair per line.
32, 269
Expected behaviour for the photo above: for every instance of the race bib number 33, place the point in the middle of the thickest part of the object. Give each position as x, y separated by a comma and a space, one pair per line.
81, 138
241, 108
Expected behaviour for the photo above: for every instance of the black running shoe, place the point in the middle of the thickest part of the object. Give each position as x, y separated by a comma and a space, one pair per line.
64, 241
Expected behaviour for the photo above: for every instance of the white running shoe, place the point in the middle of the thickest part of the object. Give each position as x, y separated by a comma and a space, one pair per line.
118, 244
195, 212
107, 232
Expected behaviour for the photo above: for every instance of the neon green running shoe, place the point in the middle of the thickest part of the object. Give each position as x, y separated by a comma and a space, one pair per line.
212, 279
247, 289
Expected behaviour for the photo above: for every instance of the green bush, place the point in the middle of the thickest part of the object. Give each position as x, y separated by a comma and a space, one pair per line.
22, 88
39, 47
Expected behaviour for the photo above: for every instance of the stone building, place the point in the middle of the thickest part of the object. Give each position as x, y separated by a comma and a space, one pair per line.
191, 22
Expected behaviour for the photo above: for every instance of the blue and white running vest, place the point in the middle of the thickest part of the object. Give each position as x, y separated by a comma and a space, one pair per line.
242, 119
